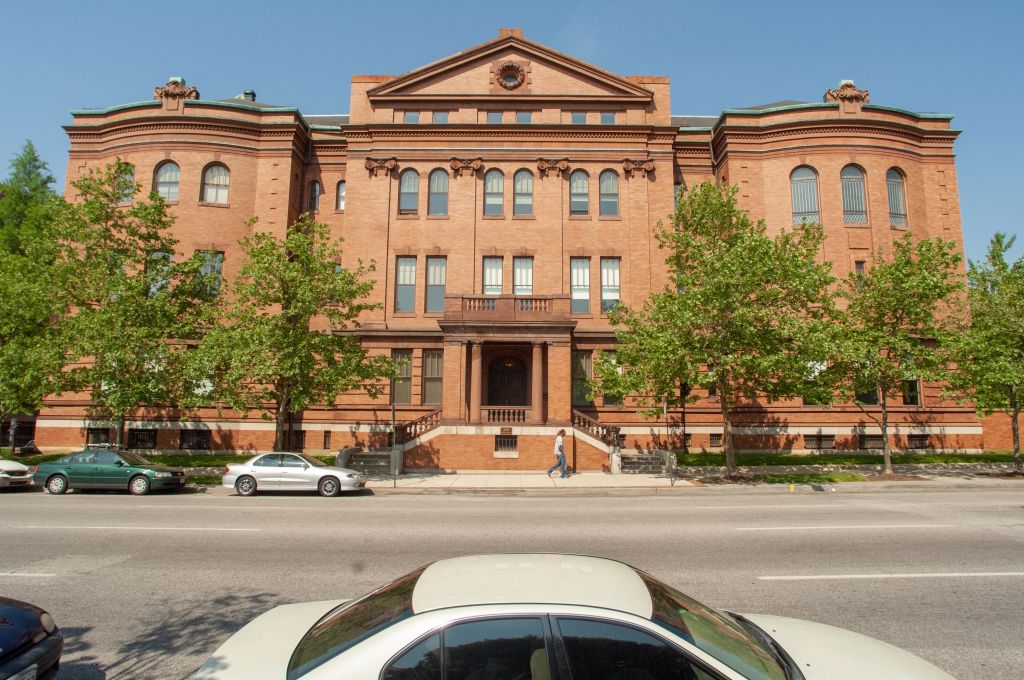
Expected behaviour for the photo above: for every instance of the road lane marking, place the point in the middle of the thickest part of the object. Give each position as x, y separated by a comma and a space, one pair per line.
848, 526
77, 528
24, 575
840, 577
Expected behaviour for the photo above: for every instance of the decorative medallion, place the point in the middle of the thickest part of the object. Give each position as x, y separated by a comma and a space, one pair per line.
511, 75
642, 168
175, 89
547, 166
846, 92
461, 166
378, 166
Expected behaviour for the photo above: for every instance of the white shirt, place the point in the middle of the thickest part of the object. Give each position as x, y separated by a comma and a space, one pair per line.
558, 445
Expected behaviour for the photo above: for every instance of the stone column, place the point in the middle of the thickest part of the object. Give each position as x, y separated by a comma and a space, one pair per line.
475, 399
453, 403
537, 383
559, 377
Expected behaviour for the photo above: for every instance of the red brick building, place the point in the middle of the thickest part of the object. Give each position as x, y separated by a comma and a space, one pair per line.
508, 196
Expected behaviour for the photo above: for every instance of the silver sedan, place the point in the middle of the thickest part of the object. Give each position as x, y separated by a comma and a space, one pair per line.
289, 472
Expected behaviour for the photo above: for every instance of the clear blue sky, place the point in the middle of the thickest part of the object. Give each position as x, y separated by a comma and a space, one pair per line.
939, 56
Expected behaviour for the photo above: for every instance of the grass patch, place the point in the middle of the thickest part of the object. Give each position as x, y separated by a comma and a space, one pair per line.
752, 459
811, 478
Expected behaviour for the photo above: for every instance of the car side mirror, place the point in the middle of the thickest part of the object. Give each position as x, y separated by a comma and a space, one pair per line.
305, 466
119, 463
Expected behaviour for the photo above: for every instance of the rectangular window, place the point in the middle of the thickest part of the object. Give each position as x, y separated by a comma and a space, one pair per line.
871, 441
607, 118
405, 284
912, 392
327, 440
401, 387
858, 267
156, 271
613, 399
211, 270
579, 118
440, 118
579, 284
492, 275
819, 441
494, 117
97, 435
524, 117
437, 274
141, 439
433, 372
609, 283
582, 371
198, 440
522, 274
716, 439
867, 397
506, 442
917, 441
411, 117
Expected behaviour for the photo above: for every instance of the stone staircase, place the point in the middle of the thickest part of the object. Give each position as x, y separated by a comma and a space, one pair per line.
643, 463
370, 463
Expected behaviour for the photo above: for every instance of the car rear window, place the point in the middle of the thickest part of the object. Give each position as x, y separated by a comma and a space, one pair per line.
353, 622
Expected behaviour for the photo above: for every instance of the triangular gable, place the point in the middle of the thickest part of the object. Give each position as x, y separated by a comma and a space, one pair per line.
470, 74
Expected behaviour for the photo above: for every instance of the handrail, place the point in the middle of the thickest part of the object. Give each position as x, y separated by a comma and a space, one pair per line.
506, 414
405, 432
609, 434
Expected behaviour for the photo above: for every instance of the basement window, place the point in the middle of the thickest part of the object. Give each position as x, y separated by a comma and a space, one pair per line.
819, 441
716, 439
871, 441
506, 443
199, 440
917, 441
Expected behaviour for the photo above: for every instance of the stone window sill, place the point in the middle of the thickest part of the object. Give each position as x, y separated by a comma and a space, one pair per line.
214, 205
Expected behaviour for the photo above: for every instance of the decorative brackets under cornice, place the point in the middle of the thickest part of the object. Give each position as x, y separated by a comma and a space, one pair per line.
462, 166
378, 166
642, 168
546, 166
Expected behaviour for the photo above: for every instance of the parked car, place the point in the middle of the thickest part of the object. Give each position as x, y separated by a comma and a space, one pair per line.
544, 617
30, 642
96, 468
289, 472
14, 474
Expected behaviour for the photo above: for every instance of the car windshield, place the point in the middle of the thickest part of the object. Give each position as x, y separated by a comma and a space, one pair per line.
712, 632
353, 622
133, 458
315, 462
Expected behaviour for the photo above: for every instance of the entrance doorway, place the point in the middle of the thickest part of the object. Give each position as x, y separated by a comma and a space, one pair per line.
507, 382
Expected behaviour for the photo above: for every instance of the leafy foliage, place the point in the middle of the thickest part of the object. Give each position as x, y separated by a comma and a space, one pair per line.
278, 349
26, 202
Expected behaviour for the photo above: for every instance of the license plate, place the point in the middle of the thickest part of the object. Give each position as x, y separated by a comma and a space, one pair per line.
27, 674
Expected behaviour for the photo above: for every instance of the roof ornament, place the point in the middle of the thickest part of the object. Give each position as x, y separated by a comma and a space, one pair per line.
462, 166
846, 92
546, 166
175, 89
510, 75
641, 168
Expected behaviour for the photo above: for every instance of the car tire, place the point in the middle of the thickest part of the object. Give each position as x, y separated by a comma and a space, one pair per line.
328, 486
57, 484
245, 486
139, 485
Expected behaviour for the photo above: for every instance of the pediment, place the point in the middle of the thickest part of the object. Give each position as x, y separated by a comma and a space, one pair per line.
510, 67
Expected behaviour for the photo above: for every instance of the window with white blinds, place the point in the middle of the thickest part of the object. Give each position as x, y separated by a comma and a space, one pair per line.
609, 194
855, 206
494, 193
405, 284
216, 179
522, 275
168, 177
437, 274
609, 283
492, 276
408, 192
437, 199
433, 376
523, 190
579, 189
579, 284
340, 204
803, 184
897, 198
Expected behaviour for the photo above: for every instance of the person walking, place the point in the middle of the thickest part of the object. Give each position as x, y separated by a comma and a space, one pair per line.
559, 455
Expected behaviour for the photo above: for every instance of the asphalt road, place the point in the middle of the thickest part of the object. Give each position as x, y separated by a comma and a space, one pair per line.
147, 587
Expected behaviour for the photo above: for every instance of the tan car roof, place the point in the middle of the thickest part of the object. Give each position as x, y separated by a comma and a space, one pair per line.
531, 578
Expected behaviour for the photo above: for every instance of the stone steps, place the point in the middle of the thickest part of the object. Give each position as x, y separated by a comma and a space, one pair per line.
370, 462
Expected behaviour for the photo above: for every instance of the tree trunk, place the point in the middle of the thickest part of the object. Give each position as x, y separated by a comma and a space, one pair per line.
730, 452
1015, 422
281, 418
14, 431
886, 452
119, 433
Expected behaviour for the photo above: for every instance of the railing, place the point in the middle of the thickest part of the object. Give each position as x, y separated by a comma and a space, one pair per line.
609, 434
507, 308
414, 428
505, 414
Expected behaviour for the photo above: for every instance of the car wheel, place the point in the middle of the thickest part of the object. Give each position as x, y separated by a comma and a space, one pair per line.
328, 486
139, 485
245, 486
57, 484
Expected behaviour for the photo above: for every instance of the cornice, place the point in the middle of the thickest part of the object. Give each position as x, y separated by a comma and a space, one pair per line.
382, 131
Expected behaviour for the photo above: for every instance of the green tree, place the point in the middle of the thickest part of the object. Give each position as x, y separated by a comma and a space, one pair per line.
746, 312
278, 349
988, 347
134, 304
887, 335
26, 202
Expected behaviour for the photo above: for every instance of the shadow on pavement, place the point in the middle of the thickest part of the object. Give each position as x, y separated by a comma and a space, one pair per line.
84, 666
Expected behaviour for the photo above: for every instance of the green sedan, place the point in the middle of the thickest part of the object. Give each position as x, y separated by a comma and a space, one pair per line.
105, 469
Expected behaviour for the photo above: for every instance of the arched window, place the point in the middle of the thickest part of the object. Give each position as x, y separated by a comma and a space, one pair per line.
609, 194
437, 200
803, 185
340, 204
494, 193
522, 203
215, 184
168, 177
579, 190
897, 198
408, 192
855, 205
313, 199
